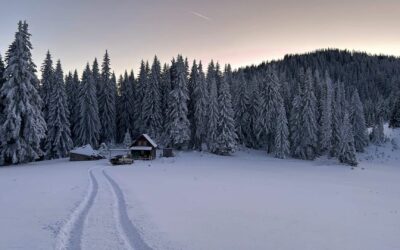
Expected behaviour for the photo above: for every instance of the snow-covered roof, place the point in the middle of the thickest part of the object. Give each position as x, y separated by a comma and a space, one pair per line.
141, 148
150, 140
85, 150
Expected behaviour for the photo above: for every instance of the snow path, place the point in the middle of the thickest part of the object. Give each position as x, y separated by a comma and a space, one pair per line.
131, 233
102, 228
69, 236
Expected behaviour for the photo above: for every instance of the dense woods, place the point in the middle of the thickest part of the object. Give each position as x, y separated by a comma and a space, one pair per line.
303, 106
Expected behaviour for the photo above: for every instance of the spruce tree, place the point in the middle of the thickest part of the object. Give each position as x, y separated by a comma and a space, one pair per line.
213, 111
357, 119
192, 83
126, 107
152, 116
241, 106
346, 150
282, 146
178, 127
378, 134
73, 104
23, 126
200, 109
88, 131
309, 129
165, 90
127, 139
96, 77
296, 122
337, 118
325, 134
140, 95
58, 140
226, 139
2, 81
46, 86
107, 106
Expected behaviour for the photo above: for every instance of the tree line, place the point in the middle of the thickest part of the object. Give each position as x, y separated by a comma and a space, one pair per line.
298, 107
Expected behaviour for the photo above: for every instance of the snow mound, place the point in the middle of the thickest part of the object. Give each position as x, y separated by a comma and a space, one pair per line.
86, 150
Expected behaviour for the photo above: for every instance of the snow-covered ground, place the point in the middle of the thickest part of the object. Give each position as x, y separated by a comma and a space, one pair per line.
202, 201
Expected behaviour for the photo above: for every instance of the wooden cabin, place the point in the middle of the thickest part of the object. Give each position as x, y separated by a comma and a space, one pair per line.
143, 148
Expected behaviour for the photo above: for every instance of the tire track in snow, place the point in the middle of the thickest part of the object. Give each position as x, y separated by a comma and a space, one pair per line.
130, 233
70, 234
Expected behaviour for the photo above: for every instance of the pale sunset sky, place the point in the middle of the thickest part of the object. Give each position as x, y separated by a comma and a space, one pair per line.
228, 31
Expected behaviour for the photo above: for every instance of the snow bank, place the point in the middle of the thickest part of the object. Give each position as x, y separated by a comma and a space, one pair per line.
86, 150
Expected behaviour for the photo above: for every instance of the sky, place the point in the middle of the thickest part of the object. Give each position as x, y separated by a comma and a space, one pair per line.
229, 31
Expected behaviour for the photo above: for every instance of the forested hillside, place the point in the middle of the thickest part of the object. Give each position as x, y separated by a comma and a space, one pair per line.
303, 106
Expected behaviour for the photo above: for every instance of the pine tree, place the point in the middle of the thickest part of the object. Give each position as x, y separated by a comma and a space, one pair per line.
46, 86
213, 110
226, 139
96, 77
282, 146
72, 87
58, 141
357, 119
2, 81
325, 134
126, 106
254, 107
152, 116
241, 108
23, 126
200, 109
337, 118
268, 109
107, 106
378, 134
346, 150
296, 122
192, 84
165, 90
140, 95
178, 127
89, 124
127, 139
309, 129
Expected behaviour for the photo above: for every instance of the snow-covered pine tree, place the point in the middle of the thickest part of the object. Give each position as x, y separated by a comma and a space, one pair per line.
165, 90
337, 117
296, 119
140, 95
325, 134
2, 80
23, 126
96, 77
88, 131
152, 116
127, 139
378, 134
192, 83
346, 150
226, 139
241, 106
178, 127
213, 110
394, 119
200, 109
73, 103
357, 119
282, 146
126, 106
58, 140
269, 108
255, 103
309, 129
46, 85
106, 101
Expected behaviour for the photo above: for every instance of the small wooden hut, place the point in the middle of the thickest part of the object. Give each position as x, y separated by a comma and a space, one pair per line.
143, 148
